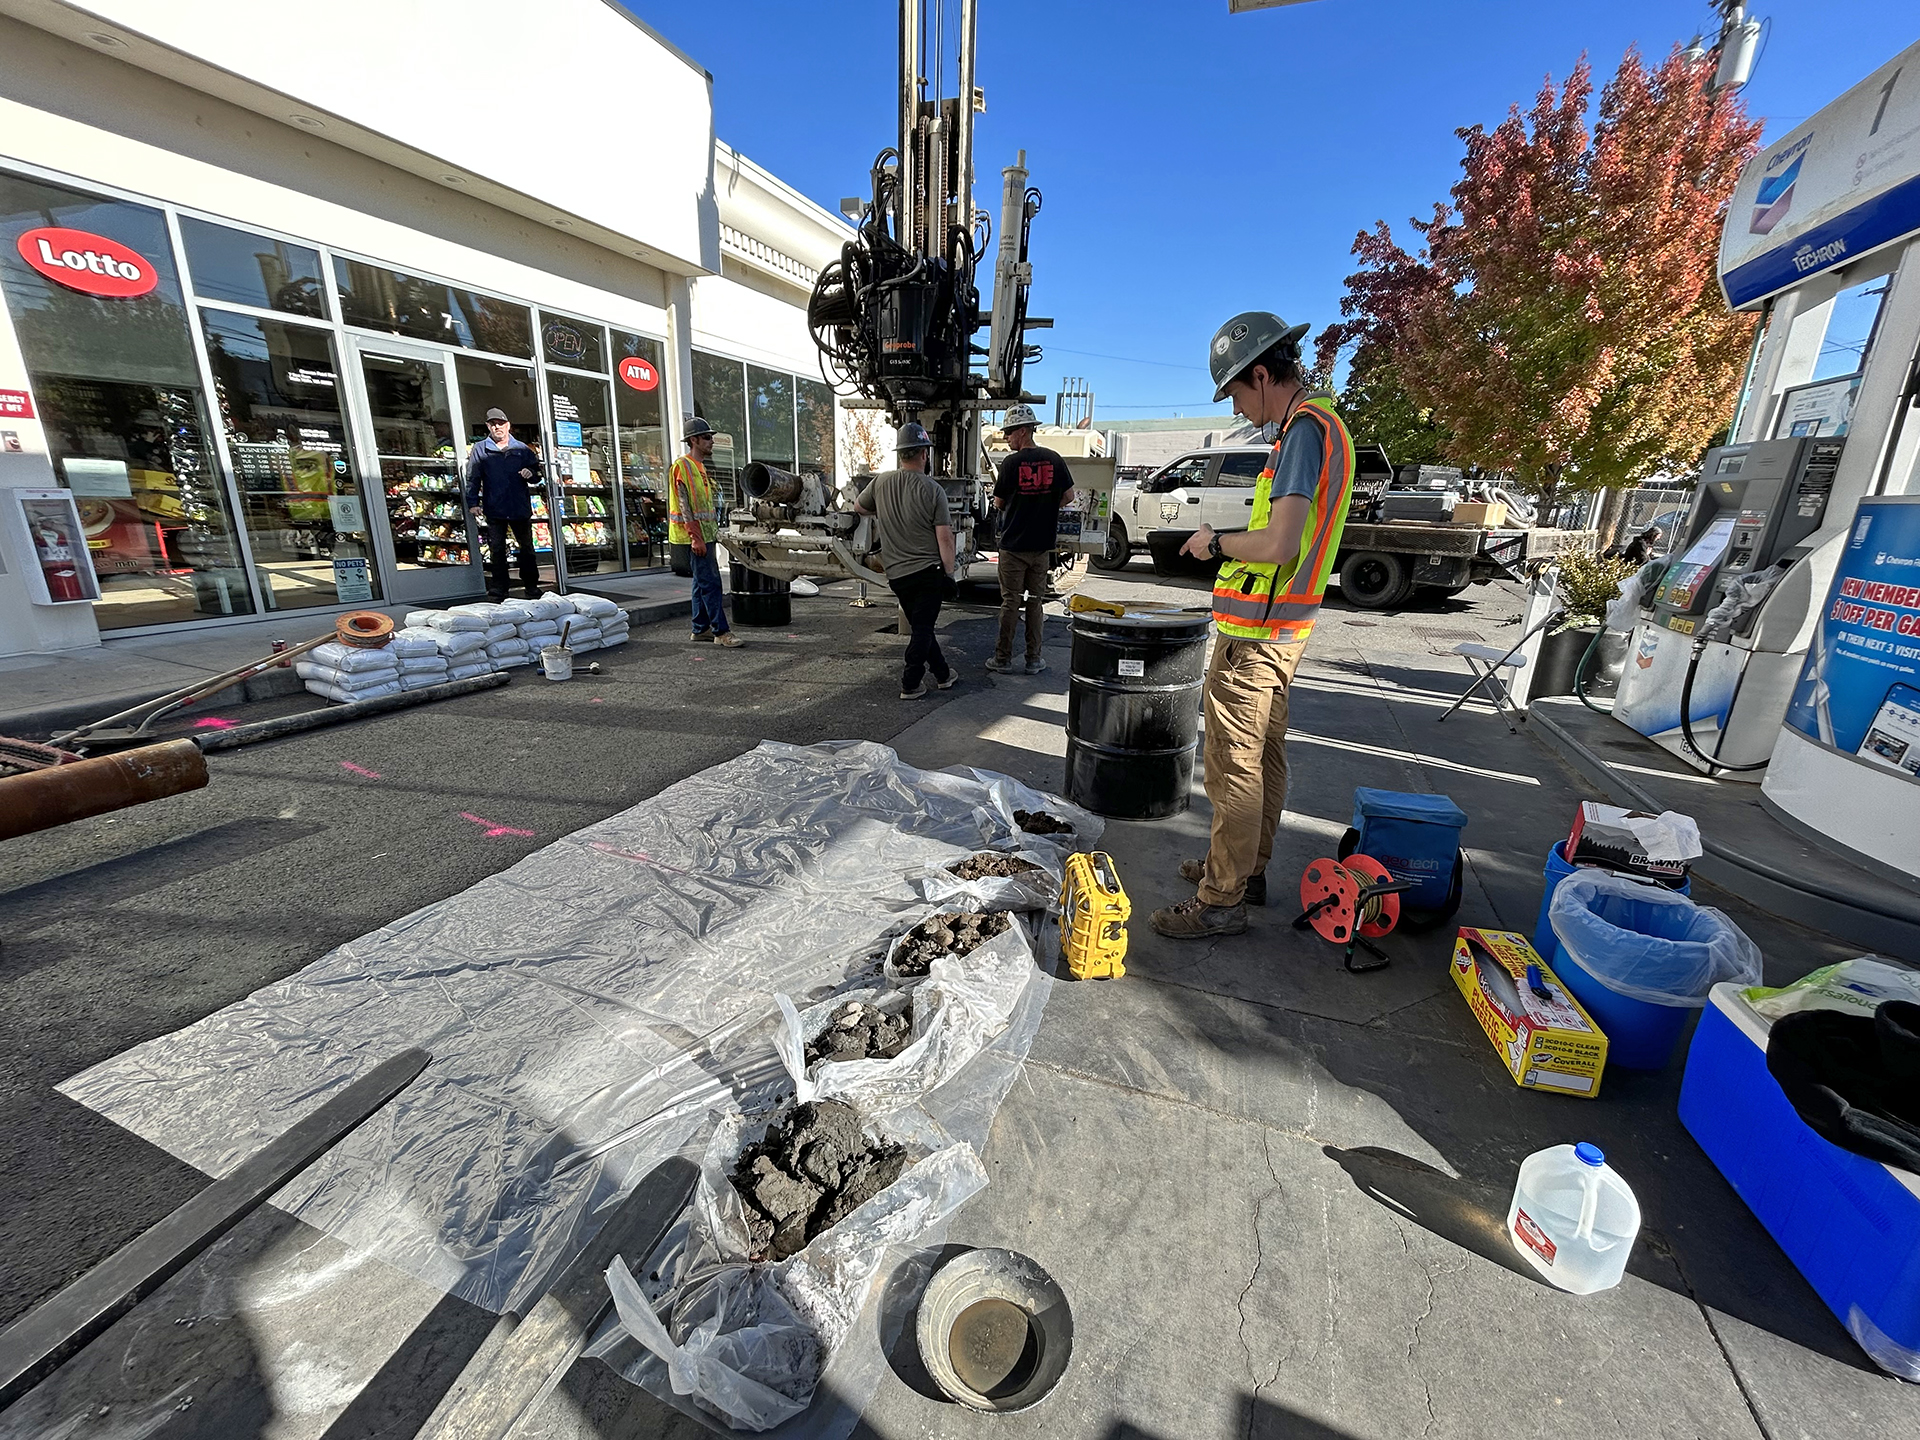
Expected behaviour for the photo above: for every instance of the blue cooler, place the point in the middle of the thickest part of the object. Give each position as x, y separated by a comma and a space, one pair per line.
1850, 1225
1417, 837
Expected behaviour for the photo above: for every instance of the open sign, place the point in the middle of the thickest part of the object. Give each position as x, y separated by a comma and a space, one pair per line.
640, 374
91, 264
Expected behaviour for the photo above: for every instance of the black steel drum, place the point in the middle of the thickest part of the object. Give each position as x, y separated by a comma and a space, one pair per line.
1133, 712
760, 599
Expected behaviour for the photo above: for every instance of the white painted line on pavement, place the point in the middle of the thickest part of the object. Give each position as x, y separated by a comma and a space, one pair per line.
1412, 756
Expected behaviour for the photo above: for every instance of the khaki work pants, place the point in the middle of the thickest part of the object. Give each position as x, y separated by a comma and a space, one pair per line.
1021, 571
1245, 759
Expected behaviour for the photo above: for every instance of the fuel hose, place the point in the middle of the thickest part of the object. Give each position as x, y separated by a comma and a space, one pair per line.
1686, 719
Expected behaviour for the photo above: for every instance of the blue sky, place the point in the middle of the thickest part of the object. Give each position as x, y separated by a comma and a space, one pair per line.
1197, 163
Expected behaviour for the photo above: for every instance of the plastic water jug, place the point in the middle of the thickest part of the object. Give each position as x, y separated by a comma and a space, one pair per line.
1574, 1218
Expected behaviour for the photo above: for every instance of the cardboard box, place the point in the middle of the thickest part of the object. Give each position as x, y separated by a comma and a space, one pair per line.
1547, 1043
1491, 513
1599, 838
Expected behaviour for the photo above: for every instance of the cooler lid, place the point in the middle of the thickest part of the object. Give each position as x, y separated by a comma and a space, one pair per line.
1369, 804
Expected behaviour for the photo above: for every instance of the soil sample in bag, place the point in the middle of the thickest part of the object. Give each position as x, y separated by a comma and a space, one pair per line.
1039, 822
951, 932
989, 866
809, 1174
859, 1031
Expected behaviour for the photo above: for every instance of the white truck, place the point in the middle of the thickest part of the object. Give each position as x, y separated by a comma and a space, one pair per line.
1380, 565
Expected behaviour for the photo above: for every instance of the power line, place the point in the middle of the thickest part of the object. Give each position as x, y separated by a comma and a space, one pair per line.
1123, 359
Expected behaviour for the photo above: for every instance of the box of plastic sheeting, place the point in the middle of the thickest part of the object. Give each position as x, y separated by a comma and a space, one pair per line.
1850, 1225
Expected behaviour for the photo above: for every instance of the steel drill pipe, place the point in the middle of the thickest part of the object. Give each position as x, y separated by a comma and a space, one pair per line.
41, 799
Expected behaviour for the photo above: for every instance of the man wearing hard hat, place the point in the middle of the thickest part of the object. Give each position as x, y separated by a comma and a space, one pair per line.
1032, 482
1265, 600
917, 550
693, 521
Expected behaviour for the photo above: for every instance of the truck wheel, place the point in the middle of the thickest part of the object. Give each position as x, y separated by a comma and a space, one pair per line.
1119, 549
1375, 580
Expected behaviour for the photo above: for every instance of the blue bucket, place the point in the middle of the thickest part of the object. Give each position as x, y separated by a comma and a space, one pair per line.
1544, 941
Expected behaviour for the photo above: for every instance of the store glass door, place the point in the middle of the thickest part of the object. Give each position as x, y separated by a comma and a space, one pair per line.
414, 429
582, 471
502, 385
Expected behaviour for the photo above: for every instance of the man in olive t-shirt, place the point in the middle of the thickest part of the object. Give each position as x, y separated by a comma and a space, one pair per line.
916, 547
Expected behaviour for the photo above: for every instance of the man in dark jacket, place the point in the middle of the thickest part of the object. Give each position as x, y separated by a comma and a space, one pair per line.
501, 476
1032, 482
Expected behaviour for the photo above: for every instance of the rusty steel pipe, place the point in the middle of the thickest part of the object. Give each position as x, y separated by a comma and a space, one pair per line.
41, 799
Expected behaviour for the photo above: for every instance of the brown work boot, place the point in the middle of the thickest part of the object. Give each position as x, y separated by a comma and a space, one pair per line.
1194, 871
1196, 920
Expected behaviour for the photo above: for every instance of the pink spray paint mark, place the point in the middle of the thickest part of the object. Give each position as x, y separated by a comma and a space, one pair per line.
640, 855
493, 830
596, 701
348, 765
213, 722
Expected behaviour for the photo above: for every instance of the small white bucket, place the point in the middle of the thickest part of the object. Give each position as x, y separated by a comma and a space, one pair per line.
557, 661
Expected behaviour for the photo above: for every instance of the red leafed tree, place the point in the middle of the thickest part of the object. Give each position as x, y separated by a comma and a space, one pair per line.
1563, 323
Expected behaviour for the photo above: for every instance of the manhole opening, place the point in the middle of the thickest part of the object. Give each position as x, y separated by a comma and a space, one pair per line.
994, 1347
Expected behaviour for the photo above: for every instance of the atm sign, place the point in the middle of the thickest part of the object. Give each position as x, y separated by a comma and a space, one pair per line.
91, 264
639, 373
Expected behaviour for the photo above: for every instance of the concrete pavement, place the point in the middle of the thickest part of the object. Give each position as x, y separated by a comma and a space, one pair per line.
1272, 1190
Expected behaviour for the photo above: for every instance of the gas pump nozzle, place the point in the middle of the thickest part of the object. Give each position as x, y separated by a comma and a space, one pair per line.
1739, 594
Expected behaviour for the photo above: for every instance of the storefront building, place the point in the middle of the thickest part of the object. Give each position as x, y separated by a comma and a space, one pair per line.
251, 334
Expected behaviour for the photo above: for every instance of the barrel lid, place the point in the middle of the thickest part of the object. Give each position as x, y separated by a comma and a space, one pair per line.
1134, 619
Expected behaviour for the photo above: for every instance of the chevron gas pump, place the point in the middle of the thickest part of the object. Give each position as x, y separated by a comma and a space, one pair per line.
1712, 664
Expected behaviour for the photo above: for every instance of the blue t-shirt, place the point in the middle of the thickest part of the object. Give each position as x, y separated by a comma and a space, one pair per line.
1303, 450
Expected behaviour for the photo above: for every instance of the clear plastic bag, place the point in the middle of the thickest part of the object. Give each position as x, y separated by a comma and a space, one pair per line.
1858, 987
1009, 796
1037, 889
749, 1342
959, 1008
1647, 942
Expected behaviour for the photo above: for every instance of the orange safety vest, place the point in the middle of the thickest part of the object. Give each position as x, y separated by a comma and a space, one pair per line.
689, 502
1257, 600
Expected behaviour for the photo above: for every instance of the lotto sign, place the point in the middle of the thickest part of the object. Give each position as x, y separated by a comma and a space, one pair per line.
91, 264
638, 373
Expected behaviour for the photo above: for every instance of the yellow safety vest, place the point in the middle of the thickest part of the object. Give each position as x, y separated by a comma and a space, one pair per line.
1257, 600
689, 501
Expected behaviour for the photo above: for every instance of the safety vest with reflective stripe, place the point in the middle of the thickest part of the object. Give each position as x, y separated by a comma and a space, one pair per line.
1257, 600
689, 501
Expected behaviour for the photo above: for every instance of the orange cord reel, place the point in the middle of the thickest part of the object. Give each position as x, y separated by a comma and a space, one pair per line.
1351, 902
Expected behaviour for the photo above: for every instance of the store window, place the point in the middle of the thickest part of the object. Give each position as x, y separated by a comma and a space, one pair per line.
248, 269
646, 446
573, 342
813, 413
420, 472
719, 398
770, 417
111, 363
412, 305
278, 390
582, 469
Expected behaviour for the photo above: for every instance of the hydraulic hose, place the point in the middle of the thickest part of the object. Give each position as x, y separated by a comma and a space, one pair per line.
1686, 719
1580, 672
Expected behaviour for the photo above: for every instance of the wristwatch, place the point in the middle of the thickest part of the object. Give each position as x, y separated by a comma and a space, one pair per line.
1213, 546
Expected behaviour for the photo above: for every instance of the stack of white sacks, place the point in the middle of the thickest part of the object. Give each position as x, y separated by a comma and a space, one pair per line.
349, 672
595, 623
486, 635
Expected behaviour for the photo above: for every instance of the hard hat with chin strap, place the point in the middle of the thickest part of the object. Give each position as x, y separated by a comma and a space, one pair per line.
1243, 340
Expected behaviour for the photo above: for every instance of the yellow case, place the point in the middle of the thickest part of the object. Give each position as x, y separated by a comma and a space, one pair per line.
1094, 911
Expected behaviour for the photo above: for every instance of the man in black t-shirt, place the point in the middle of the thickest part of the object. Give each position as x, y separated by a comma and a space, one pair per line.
1032, 482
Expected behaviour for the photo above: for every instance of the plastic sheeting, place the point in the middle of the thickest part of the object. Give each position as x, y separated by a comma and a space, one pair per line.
587, 1011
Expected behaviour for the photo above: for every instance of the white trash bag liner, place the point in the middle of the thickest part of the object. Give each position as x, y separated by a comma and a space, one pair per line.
1647, 942
749, 1342
959, 1008
1037, 889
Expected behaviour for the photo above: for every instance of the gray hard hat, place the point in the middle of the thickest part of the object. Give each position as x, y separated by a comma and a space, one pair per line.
1243, 340
912, 436
696, 426
1018, 416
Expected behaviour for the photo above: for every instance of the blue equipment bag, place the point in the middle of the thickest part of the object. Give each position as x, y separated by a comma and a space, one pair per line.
1417, 837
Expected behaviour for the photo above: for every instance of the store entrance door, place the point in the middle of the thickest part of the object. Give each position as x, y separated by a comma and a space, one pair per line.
412, 429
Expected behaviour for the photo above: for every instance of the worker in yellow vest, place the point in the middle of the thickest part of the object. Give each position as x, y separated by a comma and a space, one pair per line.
1265, 600
692, 521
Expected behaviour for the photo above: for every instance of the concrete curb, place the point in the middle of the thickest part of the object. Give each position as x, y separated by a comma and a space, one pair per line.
1854, 917
45, 720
